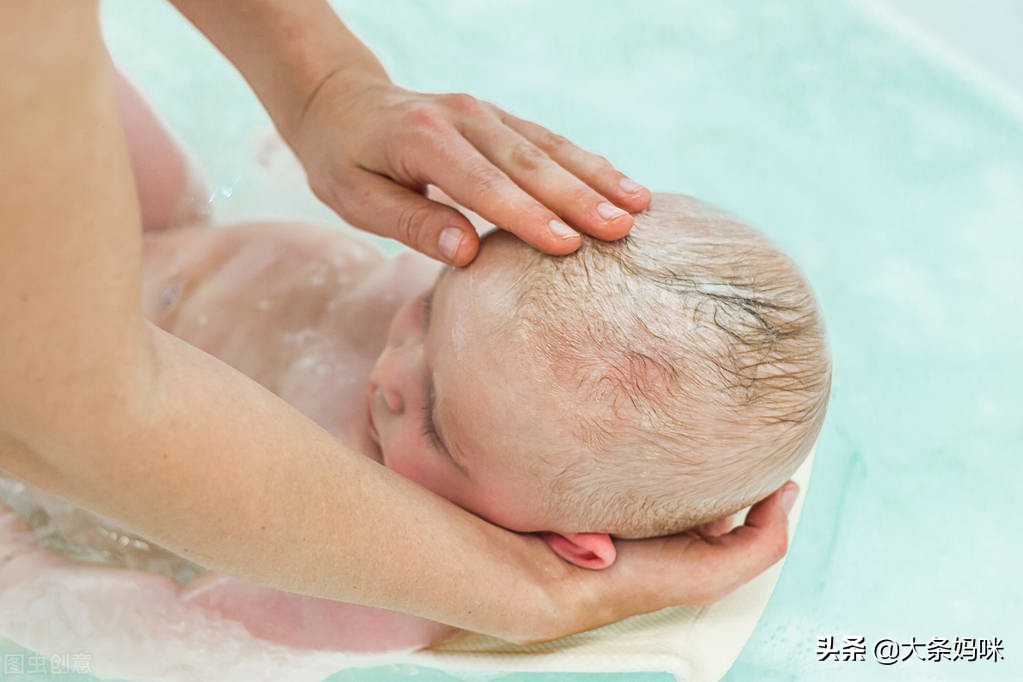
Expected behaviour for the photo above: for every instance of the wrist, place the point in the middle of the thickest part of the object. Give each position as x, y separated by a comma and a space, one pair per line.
560, 600
343, 76
335, 121
285, 49
346, 82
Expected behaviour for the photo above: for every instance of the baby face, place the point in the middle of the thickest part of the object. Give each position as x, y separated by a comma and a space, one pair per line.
456, 404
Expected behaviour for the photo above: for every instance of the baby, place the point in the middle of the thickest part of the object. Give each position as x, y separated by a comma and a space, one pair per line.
634, 389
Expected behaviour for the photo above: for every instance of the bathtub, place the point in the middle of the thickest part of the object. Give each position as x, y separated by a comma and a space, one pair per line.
895, 181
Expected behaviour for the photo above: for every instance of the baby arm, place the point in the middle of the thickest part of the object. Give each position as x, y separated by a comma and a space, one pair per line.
170, 187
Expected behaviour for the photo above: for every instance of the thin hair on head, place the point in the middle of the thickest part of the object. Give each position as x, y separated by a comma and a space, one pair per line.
695, 356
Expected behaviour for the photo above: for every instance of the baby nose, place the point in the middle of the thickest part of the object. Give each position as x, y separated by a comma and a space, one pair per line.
387, 376
392, 400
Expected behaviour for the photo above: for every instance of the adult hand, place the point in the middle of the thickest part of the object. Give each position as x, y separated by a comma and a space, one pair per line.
695, 567
370, 150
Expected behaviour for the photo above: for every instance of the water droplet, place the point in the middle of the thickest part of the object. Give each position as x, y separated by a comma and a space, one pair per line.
302, 338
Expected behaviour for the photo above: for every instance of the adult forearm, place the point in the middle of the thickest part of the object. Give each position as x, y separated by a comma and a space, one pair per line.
225, 473
285, 49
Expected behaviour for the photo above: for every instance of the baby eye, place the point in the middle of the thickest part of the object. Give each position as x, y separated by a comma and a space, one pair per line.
424, 306
429, 430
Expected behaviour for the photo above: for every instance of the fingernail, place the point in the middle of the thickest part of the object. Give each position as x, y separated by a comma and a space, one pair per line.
608, 211
788, 496
449, 241
561, 230
630, 185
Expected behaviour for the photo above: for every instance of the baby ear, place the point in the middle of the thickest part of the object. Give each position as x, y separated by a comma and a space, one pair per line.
587, 550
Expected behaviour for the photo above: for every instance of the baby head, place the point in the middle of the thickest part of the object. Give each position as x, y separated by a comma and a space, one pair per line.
633, 389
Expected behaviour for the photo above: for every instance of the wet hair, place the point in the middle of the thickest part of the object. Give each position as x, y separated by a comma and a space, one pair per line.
695, 353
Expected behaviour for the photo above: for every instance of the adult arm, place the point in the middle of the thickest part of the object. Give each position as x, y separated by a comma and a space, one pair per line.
371, 148
102, 408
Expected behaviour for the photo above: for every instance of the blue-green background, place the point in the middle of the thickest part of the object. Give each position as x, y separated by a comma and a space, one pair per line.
896, 185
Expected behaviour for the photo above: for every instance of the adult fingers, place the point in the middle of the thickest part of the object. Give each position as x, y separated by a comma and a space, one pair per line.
384, 207
745, 552
580, 205
713, 529
593, 169
458, 168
